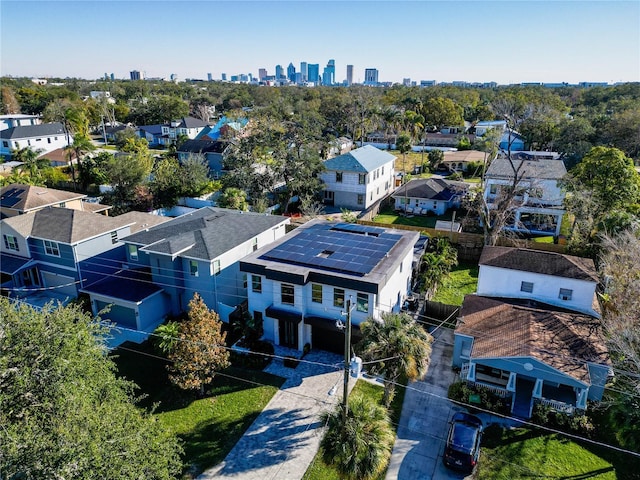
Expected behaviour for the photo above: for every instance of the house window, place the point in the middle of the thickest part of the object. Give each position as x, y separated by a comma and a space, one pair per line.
193, 268
49, 140
62, 204
216, 267
133, 252
338, 177
435, 205
11, 242
382, 170
493, 189
51, 248
255, 244
244, 280
256, 283
362, 302
286, 294
114, 237
338, 297
526, 287
316, 293
360, 199
5, 144
565, 294
400, 267
361, 178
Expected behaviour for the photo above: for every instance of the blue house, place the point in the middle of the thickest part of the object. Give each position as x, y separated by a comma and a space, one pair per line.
212, 150
166, 264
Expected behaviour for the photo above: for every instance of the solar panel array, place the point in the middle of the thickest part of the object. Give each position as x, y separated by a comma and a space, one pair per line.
334, 249
11, 197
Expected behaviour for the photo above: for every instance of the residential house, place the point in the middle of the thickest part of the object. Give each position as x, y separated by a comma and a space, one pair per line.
153, 135
511, 141
53, 252
529, 353
224, 128
564, 281
60, 157
212, 150
459, 160
189, 127
483, 126
541, 198
18, 120
20, 199
531, 333
429, 195
301, 285
44, 138
359, 178
168, 263
111, 131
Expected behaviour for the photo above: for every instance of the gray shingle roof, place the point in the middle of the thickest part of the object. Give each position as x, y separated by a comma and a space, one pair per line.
22, 197
542, 169
29, 131
362, 160
204, 234
203, 146
191, 122
535, 261
431, 188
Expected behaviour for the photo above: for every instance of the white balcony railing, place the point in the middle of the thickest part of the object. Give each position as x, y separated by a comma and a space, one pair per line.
557, 405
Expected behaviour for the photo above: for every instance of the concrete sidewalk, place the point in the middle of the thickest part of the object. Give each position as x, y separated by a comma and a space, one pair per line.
282, 441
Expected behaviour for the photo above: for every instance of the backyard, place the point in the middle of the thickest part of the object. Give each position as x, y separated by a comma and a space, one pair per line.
210, 426
389, 217
462, 280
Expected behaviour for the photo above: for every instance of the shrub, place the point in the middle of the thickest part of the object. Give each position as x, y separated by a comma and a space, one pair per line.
578, 423
461, 391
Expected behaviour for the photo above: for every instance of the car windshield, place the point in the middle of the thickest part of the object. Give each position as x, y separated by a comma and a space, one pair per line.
463, 437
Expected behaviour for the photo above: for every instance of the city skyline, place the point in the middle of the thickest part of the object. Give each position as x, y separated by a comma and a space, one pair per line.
445, 41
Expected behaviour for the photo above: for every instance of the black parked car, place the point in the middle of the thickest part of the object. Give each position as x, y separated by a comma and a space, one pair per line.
463, 442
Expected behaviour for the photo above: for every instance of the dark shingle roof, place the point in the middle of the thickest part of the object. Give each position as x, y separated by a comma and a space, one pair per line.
206, 233
364, 159
541, 169
29, 131
431, 188
191, 122
152, 129
202, 146
561, 339
127, 285
536, 261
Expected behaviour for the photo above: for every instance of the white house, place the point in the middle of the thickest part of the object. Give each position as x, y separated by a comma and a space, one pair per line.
556, 279
359, 178
187, 126
300, 285
483, 126
45, 138
424, 195
541, 201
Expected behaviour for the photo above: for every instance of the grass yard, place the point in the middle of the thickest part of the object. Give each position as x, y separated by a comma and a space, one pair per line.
390, 217
318, 470
524, 453
210, 426
462, 279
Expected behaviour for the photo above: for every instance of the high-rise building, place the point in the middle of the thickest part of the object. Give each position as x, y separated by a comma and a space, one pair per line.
279, 72
406, 82
174, 77
134, 75
304, 72
349, 74
329, 73
314, 73
262, 74
224, 77
113, 77
209, 77
291, 72
370, 76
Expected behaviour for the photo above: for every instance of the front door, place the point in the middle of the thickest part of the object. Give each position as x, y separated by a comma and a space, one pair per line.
288, 333
328, 198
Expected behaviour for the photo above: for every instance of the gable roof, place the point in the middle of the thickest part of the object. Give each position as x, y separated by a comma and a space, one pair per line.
204, 234
64, 225
561, 339
536, 261
542, 169
152, 129
431, 188
28, 131
28, 197
362, 160
187, 122
141, 220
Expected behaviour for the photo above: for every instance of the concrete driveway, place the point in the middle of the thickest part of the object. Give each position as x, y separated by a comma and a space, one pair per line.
424, 423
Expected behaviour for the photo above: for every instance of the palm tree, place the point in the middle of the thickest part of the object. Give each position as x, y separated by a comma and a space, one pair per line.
359, 448
31, 163
81, 145
399, 346
403, 145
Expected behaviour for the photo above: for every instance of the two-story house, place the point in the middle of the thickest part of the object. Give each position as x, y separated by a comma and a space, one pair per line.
167, 263
190, 127
21, 199
52, 253
359, 178
300, 285
540, 199
531, 334
42, 138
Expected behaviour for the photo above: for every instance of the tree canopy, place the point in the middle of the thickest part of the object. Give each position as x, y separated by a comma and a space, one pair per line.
65, 413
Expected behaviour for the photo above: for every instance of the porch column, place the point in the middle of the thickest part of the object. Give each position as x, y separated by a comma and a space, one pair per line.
581, 395
471, 376
558, 225
537, 389
511, 384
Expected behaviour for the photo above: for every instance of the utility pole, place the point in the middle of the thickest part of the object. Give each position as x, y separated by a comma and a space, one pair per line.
347, 361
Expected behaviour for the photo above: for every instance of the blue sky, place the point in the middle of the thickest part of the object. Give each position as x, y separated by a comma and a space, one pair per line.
507, 41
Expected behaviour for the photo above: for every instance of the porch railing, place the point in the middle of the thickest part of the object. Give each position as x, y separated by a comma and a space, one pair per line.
500, 391
557, 405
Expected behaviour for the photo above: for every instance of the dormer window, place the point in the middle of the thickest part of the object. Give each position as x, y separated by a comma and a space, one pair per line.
565, 294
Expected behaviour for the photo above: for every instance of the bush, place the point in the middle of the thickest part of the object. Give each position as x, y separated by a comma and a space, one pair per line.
460, 392
254, 361
578, 423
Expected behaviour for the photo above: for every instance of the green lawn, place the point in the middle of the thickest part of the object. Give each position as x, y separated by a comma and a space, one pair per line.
209, 426
389, 217
318, 470
462, 280
523, 453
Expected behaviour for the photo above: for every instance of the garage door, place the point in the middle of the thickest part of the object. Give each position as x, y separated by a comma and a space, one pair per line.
121, 315
62, 284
